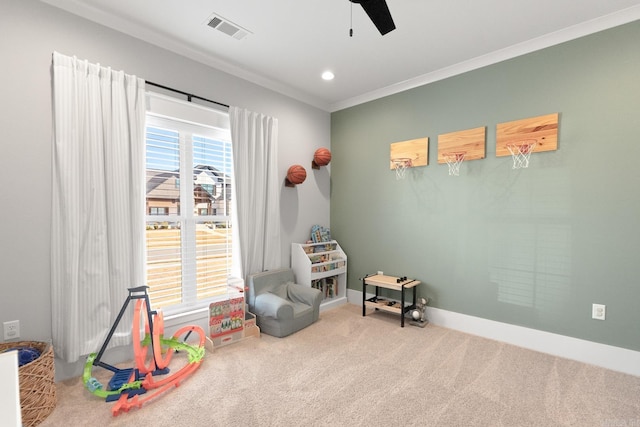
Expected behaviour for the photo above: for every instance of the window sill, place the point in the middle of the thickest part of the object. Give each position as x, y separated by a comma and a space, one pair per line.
197, 317
192, 316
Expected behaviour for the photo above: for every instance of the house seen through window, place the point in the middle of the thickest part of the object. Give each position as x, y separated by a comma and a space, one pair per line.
188, 205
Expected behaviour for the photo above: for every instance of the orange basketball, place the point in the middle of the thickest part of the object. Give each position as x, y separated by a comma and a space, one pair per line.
322, 156
296, 174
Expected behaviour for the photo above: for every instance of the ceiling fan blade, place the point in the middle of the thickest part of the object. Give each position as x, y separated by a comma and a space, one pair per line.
379, 13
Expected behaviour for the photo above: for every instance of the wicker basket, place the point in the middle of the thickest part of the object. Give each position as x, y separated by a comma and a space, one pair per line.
37, 383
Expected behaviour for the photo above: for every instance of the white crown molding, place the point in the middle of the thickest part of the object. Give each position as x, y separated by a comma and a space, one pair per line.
144, 33
570, 33
155, 38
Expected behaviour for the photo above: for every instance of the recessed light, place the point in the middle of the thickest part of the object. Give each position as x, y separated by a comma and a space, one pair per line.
327, 75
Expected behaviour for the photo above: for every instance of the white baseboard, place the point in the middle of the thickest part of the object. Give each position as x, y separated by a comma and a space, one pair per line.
332, 303
606, 356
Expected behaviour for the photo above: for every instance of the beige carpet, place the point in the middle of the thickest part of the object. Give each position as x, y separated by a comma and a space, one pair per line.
349, 370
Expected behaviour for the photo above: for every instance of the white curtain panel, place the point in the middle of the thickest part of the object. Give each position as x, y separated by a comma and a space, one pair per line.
257, 191
97, 241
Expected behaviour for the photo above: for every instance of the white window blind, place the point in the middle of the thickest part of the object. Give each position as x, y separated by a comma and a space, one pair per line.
189, 178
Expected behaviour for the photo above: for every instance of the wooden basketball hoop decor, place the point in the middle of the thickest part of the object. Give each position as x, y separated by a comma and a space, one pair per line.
321, 157
454, 148
454, 160
405, 155
401, 164
520, 138
296, 174
521, 152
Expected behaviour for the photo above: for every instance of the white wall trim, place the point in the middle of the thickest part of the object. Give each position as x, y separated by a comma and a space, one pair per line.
134, 29
141, 32
606, 356
615, 19
602, 355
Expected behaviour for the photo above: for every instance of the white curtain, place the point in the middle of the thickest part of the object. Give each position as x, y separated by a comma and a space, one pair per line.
97, 239
257, 191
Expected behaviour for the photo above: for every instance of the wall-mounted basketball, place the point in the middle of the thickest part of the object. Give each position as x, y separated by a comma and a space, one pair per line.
296, 174
321, 157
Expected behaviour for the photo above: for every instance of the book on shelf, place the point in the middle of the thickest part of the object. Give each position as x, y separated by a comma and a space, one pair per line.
315, 259
331, 286
317, 284
320, 234
325, 248
328, 286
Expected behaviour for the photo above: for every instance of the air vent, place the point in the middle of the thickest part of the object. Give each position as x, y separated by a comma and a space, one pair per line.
227, 27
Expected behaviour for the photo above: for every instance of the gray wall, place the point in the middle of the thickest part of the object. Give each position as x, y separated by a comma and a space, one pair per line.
29, 33
533, 247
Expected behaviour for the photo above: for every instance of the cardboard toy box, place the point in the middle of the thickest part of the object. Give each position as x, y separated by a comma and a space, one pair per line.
230, 322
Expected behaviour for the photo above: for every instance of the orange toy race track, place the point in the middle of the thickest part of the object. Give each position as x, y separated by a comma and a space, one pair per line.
127, 385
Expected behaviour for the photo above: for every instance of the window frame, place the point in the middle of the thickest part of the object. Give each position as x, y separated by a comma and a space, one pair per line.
187, 122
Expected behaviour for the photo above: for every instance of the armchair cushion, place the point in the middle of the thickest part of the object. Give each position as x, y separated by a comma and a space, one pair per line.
271, 305
282, 306
302, 294
281, 290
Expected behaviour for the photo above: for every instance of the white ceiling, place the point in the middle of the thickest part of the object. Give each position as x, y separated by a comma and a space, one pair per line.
293, 41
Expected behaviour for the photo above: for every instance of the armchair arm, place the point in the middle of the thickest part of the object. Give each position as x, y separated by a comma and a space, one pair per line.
304, 294
271, 305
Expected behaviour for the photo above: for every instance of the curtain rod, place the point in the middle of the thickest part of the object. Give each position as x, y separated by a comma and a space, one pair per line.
188, 95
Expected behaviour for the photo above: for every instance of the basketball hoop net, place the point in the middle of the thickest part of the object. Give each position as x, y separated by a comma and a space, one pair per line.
400, 165
521, 151
454, 160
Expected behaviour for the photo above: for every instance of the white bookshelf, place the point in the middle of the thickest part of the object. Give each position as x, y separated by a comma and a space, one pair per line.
323, 266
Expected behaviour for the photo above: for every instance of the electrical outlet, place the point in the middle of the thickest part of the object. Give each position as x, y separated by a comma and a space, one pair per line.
598, 311
11, 330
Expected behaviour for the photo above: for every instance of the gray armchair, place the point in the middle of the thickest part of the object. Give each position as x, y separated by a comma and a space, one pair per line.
282, 306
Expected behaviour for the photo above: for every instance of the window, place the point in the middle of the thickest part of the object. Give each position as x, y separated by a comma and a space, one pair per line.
188, 194
155, 210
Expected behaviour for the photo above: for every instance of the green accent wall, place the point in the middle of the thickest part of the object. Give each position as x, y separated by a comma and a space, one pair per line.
533, 247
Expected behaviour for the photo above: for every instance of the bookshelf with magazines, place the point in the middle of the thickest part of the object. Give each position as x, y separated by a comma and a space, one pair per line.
322, 265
